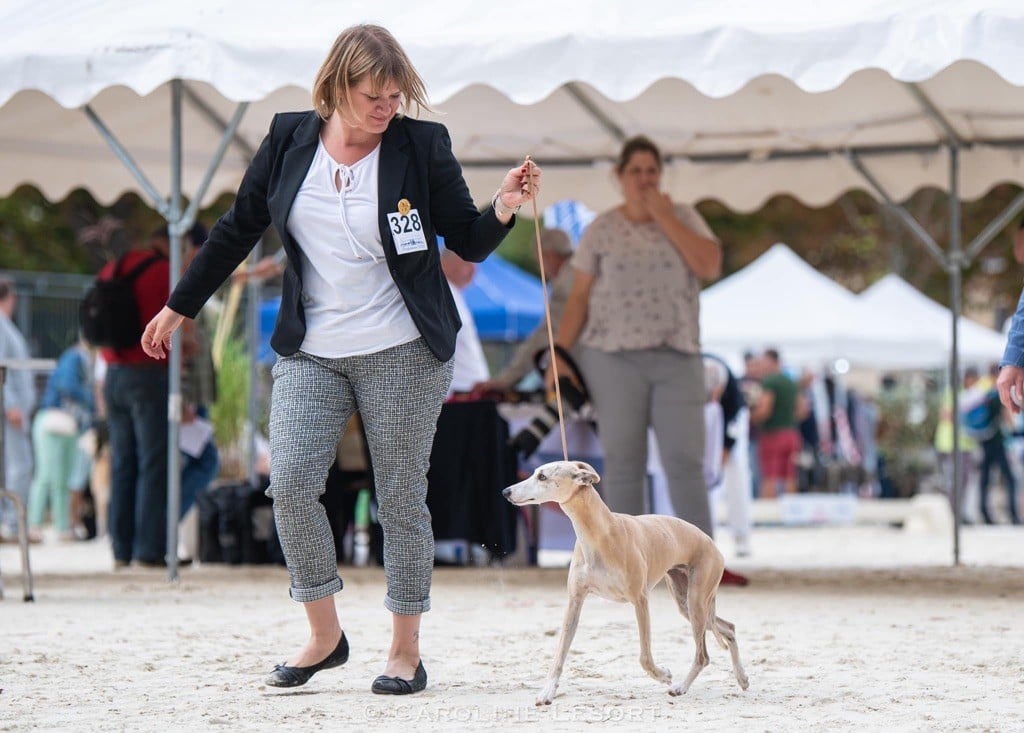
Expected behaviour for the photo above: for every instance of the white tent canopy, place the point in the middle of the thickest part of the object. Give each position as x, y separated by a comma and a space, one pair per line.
978, 345
780, 301
748, 99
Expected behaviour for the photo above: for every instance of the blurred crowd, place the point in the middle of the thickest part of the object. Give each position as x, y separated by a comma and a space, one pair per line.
89, 457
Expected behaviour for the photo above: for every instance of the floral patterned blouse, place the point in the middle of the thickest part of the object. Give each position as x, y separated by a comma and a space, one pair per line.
644, 295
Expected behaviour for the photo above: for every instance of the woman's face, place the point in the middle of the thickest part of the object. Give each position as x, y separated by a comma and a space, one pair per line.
640, 174
369, 109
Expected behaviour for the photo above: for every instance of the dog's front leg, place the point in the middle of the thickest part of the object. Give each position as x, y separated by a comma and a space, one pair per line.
569, 624
643, 622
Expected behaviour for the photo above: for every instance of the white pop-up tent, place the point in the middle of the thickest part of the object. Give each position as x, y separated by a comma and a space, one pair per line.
780, 301
749, 99
979, 345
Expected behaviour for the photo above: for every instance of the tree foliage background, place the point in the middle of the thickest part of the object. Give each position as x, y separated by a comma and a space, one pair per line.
854, 240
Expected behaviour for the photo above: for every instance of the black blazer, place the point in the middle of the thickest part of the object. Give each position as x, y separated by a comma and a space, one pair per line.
416, 163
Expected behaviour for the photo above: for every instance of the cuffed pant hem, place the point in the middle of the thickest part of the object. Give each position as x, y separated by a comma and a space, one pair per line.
407, 608
307, 595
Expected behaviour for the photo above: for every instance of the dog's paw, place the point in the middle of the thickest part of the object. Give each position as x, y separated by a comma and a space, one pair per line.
663, 674
676, 690
744, 682
547, 695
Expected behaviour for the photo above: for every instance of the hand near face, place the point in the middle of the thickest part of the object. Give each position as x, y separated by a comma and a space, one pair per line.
658, 204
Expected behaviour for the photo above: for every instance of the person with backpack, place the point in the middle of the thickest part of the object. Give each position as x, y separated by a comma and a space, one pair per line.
981, 415
129, 292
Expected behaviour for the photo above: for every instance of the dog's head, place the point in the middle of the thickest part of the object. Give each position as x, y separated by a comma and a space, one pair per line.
556, 481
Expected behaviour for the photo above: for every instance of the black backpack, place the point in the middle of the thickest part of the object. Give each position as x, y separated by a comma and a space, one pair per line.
109, 313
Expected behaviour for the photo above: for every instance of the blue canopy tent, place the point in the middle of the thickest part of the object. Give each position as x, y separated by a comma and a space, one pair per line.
507, 304
268, 317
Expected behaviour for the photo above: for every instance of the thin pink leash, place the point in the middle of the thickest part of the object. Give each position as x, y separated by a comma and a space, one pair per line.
547, 311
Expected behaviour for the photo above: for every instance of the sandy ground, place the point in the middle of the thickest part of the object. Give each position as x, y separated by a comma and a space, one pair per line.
857, 628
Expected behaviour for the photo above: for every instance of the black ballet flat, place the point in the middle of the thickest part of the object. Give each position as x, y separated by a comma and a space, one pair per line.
285, 676
385, 685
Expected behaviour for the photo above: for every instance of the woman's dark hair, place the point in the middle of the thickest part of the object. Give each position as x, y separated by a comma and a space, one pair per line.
196, 236
637, 144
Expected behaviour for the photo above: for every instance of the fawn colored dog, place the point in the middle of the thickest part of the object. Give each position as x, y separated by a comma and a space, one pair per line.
621, 558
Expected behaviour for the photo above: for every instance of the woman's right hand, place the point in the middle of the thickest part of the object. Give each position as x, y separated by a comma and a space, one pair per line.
156, 339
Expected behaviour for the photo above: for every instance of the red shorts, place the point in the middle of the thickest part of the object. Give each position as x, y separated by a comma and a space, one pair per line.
776, 453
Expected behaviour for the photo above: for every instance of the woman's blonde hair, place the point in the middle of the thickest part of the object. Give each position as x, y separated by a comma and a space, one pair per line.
361, 52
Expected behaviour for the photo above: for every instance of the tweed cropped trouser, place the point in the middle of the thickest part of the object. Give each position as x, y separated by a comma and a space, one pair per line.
398, 393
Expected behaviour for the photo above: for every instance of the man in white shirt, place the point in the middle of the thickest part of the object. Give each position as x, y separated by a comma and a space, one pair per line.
470, 363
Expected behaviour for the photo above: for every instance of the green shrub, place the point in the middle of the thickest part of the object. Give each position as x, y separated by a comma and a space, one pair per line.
907, 417
228, 414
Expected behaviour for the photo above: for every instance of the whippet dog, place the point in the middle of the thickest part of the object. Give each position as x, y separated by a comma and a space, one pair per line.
621, 558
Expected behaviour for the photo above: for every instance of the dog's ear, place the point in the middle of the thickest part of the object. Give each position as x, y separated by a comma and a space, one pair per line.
585, 474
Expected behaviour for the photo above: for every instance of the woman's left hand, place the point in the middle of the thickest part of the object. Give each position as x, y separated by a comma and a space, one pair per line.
520, 185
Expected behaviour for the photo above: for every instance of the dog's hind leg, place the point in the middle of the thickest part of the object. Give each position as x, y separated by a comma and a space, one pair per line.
678, 583
643, 622
569, 625
725, 632
700, 607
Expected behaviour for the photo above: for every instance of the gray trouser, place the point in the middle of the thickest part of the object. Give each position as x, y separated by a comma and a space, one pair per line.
18, 465
662, 388
398, 393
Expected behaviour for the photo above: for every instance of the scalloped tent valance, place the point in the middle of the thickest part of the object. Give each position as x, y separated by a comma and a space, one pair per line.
748, 99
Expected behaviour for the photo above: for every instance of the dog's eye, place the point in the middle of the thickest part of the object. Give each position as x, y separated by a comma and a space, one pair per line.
541, 477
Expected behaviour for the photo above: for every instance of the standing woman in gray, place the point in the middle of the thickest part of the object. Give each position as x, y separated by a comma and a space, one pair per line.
634, 317
358, 192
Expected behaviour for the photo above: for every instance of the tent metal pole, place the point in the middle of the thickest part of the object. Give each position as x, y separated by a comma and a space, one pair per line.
229, 134
956, 263
606, 123
177, 223
930, 109
218, 156
955, 283
218, 122
994, 228
174, 222
904, 216
119, 150
254, 339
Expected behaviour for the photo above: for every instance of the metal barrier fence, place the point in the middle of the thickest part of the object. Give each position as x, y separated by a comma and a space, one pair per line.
47, 309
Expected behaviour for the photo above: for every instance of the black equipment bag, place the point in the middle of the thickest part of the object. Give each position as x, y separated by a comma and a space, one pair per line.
109, 313
236, 525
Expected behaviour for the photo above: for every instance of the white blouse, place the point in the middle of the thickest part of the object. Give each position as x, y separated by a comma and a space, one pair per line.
351, 302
